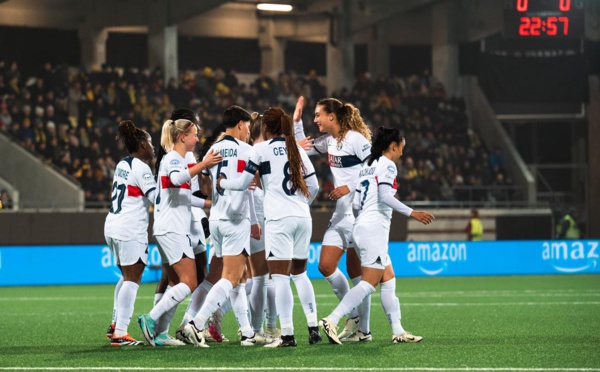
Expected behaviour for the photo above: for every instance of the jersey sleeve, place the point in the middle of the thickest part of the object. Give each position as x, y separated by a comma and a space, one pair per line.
387, 174
361, 146
321, 144
308, 165
144, 178
178, 172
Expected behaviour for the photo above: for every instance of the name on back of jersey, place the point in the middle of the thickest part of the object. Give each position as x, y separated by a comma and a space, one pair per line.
228, 153
367, 172
279, 151
122, 173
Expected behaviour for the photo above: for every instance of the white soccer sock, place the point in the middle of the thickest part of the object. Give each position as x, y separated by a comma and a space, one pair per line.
339, 284
306, 294
219, 294
116, 300
125, 303
351, 300
364, 310
285, 303
163, 323
239, 303
177, 294
391, 306
257, 301
249, 285
157, 298
271, 308
198, 297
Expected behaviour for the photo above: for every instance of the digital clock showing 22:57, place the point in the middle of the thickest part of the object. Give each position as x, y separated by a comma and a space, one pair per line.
543, 18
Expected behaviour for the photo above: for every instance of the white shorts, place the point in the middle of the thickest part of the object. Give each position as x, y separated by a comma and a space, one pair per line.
128, 252
287, 238
372, 245
197, 238
230, 238
339, 231
258, 245
173, 247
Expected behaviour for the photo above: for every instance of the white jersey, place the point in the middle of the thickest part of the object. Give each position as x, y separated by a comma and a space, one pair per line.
127, 219
382, 171
345, 161
271, 160
172, 210
229, 204
197, 213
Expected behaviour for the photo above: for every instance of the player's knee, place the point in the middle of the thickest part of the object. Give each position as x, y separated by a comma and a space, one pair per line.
326, 269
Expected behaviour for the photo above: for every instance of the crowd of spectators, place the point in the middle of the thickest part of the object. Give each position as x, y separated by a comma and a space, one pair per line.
69, 117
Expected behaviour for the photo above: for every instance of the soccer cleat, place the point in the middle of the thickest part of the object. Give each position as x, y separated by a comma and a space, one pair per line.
406, 337
273, 332
181, 336
209, 338
350, 328
164, 339
147, 325
214, 333
126, 340
330, 331
110, 331
314, 337
256, 339
195, 335
358, 337
283, 341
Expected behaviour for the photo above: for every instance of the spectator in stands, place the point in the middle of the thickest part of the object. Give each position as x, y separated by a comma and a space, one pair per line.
474, 228
5, 200
568, 227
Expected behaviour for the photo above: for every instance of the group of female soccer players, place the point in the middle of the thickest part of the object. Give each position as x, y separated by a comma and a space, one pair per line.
260, 225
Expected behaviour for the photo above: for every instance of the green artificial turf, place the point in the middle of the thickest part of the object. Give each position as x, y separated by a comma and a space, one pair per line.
522, 323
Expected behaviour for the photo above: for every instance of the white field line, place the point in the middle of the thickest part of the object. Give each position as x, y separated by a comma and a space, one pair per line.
432, 369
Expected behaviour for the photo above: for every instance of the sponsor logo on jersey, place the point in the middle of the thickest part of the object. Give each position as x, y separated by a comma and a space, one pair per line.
366, 147
571, 256
147, 176
433, 258
391, 169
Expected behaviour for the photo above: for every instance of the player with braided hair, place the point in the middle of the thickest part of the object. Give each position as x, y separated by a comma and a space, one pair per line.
126, 226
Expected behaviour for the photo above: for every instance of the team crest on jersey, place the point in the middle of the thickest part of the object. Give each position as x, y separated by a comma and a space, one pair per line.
175, 162
147, 176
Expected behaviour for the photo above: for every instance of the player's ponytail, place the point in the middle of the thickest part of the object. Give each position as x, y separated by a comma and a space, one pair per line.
131, 135
255, 125
278, 123
383, 138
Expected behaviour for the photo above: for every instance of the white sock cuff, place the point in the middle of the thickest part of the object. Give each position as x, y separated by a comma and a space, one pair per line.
335, 274
206, 285
390, 285
280, 277
240, 288
226, 284
132, 285
260, 279
300, 276
368, 288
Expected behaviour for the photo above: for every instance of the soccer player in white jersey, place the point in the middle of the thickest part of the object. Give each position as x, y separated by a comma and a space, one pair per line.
373, 203
126, 226
197, 237
290, 185
173, 218
231, 218
347, 144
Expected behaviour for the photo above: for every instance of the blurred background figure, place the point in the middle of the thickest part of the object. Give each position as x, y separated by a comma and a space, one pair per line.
474, 229
568, 227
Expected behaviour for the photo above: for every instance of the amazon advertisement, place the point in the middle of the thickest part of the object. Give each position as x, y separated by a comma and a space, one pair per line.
95, 264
